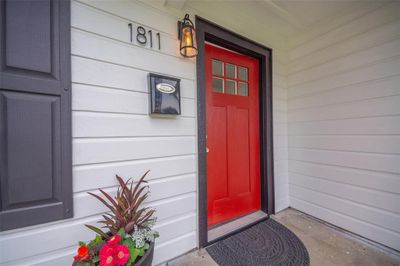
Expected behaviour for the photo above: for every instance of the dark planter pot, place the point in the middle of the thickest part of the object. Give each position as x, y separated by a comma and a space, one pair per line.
147, 259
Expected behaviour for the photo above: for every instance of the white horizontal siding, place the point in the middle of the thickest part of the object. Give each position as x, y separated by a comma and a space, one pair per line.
375, 89
136, 12
91, 98
113, 26
371, 38
185, 230
386, 125
334, 22
165, 252
384, 106
161, 189
88, 151
366, 197
105, 74
98, 47
375, 216
348, 62
344, 125
369, 144
66, 234
361, 178
113, 133
89, 124
361, 160
103, 174
347, 30
379, 70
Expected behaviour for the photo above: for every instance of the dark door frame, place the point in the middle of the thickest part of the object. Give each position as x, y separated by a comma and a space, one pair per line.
207, 31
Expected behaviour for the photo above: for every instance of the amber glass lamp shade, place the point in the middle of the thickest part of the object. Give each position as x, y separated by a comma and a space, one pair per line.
188, 43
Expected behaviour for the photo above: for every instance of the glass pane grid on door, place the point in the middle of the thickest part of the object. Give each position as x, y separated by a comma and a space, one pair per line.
229, 78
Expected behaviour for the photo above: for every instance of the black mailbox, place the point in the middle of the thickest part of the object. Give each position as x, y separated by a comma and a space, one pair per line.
165, 95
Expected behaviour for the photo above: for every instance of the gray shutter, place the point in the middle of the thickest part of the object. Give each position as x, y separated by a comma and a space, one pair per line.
35, 112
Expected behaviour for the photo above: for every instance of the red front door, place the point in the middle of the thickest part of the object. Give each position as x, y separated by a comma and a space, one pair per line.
233, 160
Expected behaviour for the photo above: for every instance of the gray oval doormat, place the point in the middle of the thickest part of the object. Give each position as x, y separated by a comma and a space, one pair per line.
266, 243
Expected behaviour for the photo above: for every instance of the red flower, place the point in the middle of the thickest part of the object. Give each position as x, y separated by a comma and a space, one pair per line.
121, 254
107, 253
114, 240
83, 251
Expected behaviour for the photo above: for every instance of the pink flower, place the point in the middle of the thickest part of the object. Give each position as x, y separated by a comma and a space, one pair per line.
113, 254
107, 253
121, 254
114, 240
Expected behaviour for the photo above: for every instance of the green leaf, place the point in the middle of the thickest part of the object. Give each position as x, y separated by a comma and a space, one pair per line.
128, 242
95, 241
96, 259
141, 252
81, 243
98, 239
121, 232
134, 253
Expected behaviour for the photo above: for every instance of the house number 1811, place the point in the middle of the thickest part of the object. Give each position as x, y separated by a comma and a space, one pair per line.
141, 36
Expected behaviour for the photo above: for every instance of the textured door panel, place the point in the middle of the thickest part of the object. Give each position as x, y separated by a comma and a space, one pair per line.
35, 113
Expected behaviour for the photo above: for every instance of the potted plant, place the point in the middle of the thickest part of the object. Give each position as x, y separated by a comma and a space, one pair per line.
129, 239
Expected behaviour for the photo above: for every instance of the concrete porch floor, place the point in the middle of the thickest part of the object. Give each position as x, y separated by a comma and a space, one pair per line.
326, 245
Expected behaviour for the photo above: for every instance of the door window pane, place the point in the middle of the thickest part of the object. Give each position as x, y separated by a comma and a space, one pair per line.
217, 84
242, 73
230, 87
243, 89
230, 71
217, 68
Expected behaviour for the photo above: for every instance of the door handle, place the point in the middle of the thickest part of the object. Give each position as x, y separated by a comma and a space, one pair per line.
207, 149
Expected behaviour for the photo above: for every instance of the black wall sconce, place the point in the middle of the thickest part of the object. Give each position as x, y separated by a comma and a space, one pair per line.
187, 37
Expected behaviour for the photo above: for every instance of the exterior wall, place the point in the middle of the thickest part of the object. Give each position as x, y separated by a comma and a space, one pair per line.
344, 124
113, 133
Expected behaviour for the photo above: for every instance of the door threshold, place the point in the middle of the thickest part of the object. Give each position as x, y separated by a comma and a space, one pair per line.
229, 228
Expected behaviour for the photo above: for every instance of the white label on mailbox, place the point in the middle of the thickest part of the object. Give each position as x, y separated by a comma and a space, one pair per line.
165, 88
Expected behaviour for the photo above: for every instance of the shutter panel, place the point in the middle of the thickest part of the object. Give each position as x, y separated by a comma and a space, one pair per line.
35, 112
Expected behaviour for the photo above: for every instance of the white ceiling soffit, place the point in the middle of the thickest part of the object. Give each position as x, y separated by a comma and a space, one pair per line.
310, 12
287, 16
177, 4
282, 12
248, 13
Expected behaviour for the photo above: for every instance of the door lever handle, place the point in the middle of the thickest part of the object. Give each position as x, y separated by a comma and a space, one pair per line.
207, 149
